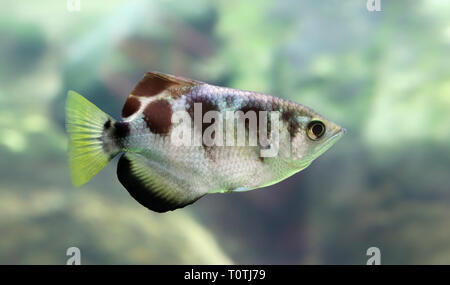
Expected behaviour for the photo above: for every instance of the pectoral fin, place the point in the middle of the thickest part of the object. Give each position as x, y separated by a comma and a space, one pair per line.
153, 186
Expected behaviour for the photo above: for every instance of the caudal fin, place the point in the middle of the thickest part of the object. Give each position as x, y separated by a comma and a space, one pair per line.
84, 124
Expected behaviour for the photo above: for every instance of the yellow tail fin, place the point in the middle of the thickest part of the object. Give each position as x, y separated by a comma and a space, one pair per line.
84, 124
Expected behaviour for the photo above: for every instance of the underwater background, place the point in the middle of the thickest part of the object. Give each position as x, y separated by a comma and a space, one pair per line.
385, 76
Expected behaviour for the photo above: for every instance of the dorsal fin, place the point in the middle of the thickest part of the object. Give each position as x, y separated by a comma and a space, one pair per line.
154, 84
154, 187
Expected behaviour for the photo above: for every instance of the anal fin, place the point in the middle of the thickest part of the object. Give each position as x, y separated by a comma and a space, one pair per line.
152, 186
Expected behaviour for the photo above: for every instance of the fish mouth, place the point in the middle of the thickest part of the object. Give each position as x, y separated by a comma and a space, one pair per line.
329, 142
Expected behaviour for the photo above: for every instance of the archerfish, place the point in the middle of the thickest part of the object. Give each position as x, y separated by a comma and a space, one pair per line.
180, 139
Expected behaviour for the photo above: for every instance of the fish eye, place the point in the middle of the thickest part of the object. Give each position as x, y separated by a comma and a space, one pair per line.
316, 129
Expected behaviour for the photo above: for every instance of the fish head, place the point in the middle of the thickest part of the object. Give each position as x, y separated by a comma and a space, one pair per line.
312, 136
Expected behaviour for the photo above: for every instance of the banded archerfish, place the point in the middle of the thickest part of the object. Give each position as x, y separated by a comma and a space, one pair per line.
180, 139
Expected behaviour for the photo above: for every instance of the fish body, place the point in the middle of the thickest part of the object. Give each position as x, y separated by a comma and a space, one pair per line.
181, 139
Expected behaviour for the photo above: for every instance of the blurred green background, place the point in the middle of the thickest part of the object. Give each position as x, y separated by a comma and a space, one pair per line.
385, 76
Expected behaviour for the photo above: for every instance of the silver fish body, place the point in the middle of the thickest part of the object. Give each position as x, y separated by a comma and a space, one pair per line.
163, 175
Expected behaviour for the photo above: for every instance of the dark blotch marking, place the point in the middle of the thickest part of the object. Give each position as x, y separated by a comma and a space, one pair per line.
121, 129
145, 194
106, 132
207, 106
131, 106
107, 125
291, 119
256, 109
158, 116
151, 85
